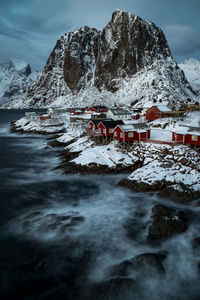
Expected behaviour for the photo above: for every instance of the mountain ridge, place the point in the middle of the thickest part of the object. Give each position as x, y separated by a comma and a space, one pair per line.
15, 76
129, 61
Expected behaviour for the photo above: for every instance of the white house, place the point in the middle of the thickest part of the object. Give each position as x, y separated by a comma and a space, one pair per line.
118, 114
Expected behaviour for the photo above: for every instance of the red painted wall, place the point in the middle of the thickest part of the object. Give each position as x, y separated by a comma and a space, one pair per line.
189, 140
42, 118
102, 127
152, 114
92, 126
143, 135
177, 137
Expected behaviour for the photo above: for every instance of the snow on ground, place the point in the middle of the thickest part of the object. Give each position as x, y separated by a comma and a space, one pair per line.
191, 118
161, 135
178, 165
108, 155
35, 126
191, 69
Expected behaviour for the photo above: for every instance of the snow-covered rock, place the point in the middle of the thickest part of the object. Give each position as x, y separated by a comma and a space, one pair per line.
15, 76
129, 61
191, 69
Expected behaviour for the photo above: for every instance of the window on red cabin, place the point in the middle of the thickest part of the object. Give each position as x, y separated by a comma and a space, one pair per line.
130, 134
115, 133
121, 134
104, 131
111, 130
194, 137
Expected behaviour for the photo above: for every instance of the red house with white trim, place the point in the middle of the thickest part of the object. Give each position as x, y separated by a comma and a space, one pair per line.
45, 117
156, 112
76, 112
187, 135
137, 132
93, 124
96, 109
106, 127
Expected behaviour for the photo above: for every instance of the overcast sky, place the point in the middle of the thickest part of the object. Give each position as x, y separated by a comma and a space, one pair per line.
29, 29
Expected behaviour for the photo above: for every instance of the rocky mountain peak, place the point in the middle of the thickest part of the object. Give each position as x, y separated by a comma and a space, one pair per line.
15, 76
129, 61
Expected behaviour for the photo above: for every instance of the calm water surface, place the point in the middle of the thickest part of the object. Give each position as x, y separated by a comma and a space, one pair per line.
59, 234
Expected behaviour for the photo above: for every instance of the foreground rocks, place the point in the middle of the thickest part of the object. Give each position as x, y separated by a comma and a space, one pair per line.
165, 223
52, 222
165, 190
124, 278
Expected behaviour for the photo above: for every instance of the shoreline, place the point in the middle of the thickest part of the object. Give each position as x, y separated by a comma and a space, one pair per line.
166, 158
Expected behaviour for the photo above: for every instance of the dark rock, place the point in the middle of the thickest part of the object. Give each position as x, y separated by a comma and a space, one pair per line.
53, 222
114, 288
147, 263
137, 44
183, 161
80, 58
165, 190
196, 244
166, 222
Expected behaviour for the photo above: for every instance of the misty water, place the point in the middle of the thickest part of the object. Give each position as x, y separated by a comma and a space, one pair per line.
61, 234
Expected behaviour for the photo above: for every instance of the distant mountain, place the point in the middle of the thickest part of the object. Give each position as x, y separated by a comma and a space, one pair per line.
15, 76
191, 69
129, 61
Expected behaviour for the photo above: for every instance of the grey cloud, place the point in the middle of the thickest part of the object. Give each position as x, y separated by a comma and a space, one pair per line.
30, 28
184, 39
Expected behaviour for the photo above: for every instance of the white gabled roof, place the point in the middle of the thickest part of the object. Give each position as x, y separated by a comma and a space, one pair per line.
130, 122
120, 111
139, 127
127, 127
162, 108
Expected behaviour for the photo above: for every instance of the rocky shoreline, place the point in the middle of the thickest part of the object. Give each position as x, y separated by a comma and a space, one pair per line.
161, 169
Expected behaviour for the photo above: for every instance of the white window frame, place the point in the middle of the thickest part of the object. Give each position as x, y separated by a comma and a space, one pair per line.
104, 130
194, 137
121, 135
110, 130
130, 134
115, 133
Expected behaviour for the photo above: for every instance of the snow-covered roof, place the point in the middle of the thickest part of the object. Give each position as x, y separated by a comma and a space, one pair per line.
187, 130
163, 108
128, 122
120, 111
139, 127
111, 124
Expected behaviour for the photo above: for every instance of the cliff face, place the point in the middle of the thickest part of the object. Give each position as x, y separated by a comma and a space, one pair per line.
80, 55
129, 61
50, 84
127, 44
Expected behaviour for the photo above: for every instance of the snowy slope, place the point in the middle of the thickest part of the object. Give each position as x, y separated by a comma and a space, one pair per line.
15, 76
191, 69
128, 62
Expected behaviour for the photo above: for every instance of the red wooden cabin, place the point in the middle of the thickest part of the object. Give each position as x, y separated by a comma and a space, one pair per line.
106, 127
75, 112
93, 124
156, 112
45, 117
187, 135
97, 109
137, 132
135, 116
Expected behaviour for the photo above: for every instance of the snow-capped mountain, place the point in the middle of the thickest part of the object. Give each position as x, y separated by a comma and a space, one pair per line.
129, 61
15, 76
191, 69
